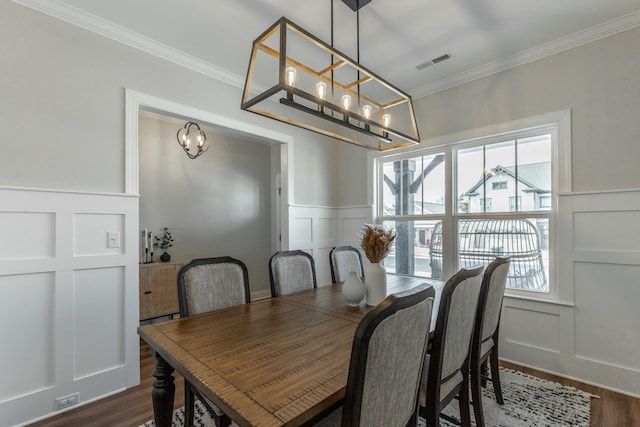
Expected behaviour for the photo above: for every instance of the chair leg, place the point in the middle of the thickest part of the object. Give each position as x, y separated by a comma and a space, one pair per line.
476, 393
222, 420
431, 414
484, 371
465, 412
495, 375
188, 405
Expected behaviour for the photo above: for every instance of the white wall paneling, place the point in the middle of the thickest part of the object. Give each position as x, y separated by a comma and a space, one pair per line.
73, 301
318, 229
592, 334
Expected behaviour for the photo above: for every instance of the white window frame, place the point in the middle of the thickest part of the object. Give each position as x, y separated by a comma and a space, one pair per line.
557, 123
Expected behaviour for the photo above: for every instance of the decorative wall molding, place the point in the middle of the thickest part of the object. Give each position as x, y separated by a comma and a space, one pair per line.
317, 230
593, 338
82, 19
76, 296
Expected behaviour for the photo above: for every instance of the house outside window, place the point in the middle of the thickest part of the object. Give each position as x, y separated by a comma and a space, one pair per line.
545, 202
501, 185
472, 201
512, 203
486, 205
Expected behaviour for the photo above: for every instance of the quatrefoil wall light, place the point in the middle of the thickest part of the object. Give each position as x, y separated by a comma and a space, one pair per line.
192, 139
340, 98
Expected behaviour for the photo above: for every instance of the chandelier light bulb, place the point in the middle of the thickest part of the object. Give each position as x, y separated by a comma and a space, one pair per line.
346, 102
366, 111
290, 76
386, 120
321, 90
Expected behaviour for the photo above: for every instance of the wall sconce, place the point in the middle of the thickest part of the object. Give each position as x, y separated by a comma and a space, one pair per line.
193, 141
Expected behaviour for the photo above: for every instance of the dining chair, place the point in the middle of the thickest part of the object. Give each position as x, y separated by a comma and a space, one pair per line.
291, 271
445, 373
387, 354
484, 347
344, 259
204, 285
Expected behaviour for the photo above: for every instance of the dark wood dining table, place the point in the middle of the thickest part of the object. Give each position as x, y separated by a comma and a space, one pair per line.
273, 362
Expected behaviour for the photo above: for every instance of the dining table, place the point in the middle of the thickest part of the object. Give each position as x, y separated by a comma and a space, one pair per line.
280, 361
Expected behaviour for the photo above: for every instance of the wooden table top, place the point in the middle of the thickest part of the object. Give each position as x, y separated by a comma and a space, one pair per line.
273, 362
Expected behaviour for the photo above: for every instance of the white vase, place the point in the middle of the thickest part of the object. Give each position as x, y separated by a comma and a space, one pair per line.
353, 289
376, 283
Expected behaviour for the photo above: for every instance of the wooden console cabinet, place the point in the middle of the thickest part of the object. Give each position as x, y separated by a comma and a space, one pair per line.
159, 289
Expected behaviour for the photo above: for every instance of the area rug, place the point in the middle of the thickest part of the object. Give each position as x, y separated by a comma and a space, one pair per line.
528, 402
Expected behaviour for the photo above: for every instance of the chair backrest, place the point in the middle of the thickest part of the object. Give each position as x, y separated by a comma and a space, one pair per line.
209, 284
451, 343
494, 283
291, 271
388, 351
344, 259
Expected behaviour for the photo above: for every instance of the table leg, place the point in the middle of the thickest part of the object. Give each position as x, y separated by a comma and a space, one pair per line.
163, 392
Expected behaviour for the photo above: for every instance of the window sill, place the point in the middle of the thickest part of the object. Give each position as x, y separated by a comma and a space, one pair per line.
539, 300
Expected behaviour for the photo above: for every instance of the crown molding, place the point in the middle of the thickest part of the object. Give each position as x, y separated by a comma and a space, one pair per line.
82, 19
571, 41
93, 23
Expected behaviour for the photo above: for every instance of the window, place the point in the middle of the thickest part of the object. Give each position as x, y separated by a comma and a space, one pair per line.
413, 198
485, 205
502, 185
545, 202
474, 200
512, 203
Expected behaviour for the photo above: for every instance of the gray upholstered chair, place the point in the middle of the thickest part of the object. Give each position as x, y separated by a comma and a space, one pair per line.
446, 369
344, 259
204, 285
291, 271
387, 354
484, 345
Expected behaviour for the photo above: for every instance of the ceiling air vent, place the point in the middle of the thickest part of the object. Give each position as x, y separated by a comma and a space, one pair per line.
434, 61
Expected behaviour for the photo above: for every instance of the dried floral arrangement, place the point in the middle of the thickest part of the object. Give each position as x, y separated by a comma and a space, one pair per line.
375, 241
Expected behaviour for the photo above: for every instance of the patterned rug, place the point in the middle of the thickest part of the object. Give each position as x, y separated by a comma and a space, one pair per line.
528, 402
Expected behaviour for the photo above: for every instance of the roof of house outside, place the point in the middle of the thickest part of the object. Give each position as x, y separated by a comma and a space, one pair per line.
536, 176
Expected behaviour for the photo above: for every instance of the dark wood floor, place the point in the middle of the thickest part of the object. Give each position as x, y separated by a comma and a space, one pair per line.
133, 407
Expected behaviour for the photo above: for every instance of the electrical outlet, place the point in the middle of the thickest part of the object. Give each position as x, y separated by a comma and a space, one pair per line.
66, 401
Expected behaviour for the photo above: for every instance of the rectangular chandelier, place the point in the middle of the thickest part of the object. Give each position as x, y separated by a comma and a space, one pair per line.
298, 79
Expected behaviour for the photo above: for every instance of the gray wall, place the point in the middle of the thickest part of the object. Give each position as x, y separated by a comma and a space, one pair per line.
599, 82
62, 109
216, 205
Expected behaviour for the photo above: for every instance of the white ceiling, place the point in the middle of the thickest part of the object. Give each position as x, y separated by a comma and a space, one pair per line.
484, 36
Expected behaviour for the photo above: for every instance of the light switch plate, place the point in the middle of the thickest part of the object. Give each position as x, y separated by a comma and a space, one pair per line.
113, 240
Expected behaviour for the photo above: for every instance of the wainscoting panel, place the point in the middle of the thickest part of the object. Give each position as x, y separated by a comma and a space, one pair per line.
353, 221
27, 333
606, 231
90, 234
31, 235
317, 230
98, 317
517, 329
301, 228
594, 336
69, 296
616, 289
